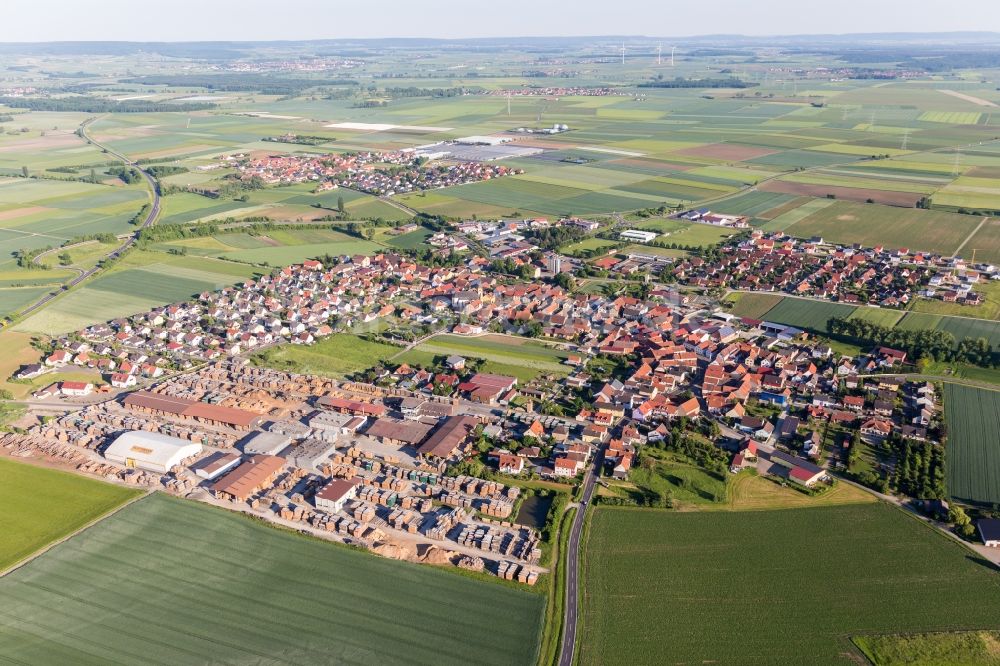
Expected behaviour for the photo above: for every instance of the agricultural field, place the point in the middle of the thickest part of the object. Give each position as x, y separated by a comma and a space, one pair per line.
753, 305
878, 316
973, 460
807, 314
872, 225
141, 281
712, 573
335, 356
44, 505
187, 592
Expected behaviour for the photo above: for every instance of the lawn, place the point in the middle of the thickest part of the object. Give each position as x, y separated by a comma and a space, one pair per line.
973, 460
499, 349
170, 581
337, 356
43, 505
689, 587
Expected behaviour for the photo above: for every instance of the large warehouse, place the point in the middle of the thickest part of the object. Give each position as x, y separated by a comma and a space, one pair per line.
150, 450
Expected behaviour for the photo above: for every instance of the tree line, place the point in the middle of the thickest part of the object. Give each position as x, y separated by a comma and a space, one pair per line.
929, 344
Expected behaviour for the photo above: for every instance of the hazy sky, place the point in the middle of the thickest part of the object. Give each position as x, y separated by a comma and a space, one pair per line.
181, 20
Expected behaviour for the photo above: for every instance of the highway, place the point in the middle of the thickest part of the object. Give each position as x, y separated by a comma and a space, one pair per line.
154, 212
571, 610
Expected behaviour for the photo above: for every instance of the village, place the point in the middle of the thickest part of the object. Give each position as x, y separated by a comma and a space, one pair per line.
415, 457
380, 173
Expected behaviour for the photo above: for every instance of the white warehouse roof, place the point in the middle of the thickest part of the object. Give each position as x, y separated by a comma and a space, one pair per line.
150, 450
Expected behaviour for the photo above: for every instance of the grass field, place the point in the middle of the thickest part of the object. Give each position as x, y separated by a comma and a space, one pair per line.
335, 356
878, 316
959, 648
684, 587
169, 581
532, 356
973, 460
43, 505
990, 308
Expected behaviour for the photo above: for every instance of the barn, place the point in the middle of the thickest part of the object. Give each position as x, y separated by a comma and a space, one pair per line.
150, 450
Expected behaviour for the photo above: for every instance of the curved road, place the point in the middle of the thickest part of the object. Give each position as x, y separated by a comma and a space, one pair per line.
571, 610
154, 212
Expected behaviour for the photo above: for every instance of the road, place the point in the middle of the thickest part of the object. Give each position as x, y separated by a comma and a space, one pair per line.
154, 212
571, 610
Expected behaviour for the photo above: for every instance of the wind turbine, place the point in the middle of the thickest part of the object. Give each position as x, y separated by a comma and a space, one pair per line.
659, 54
672, 49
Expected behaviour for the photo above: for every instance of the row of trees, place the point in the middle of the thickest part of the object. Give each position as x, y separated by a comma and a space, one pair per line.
931, 344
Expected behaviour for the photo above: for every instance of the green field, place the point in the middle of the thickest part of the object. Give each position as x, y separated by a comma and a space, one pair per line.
532, 357
807, 314
754, 305
43, 505
690, 587
888, 226
973, 460
170, 581
959, 648
335, 356
878, 316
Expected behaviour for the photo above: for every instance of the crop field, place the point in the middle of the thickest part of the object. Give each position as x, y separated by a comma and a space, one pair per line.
143, 281
334, 356
183, 589
973, 460
807, 314
871, 225
788, 218
987, 241
43, 505
14, 299
971, 328
707, 571
965, 648
878, 316
754, 305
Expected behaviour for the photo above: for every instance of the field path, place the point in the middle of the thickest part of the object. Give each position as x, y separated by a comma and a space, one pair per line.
971, 234
50, 546
968, 98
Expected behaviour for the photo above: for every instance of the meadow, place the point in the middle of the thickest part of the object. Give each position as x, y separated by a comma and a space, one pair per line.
335, 356
973, 460
683, 587
170, 581
43, 505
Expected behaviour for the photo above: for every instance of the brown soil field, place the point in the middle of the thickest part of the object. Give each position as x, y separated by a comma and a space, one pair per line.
731, 152
783, 208
20, 212
886, 197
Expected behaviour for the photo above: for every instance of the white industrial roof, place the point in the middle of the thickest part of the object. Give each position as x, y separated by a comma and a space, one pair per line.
151, 449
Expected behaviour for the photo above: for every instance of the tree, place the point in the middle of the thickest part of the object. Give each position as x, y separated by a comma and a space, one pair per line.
340, 205
24, 171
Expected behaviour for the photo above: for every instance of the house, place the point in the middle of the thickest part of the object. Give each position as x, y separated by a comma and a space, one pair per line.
58, 358
30, 371
76, 388
122, 380
756, 427
799, 470
787, 427
566, 467
509, 463
876, 428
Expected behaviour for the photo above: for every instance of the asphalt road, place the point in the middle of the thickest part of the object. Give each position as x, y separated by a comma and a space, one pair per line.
154, 212
571, 611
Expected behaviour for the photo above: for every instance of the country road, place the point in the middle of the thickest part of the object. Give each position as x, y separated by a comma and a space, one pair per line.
571, 612
154, 212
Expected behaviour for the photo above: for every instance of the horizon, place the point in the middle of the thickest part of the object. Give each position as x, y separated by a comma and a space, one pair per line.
312, 20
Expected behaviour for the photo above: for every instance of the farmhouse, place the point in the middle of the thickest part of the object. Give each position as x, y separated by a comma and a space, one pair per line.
249, 478
150, 451
336, 493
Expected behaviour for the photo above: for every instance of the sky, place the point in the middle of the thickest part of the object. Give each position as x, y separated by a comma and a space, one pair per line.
209, 20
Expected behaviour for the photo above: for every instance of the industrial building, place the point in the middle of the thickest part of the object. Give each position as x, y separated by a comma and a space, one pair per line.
150, 451
248, 478
638, 236
265, 443
216, 465
311, 453
215, 415
448, 437
336, 493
